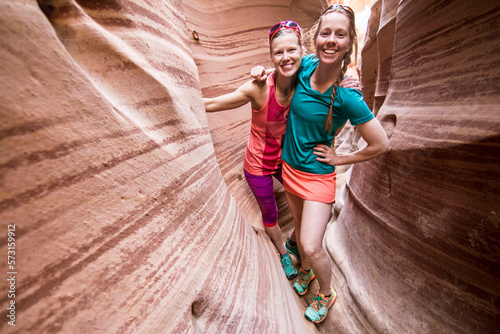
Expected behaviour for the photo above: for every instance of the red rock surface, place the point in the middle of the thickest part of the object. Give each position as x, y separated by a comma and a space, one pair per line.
417, 242
131, 211
123, 221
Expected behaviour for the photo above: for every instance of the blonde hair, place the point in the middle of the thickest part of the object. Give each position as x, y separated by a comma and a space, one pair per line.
310, 41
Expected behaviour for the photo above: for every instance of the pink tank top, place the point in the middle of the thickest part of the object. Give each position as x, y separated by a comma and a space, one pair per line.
263, 152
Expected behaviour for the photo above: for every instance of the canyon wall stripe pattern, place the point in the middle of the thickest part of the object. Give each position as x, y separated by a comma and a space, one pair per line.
124, 222
417, 240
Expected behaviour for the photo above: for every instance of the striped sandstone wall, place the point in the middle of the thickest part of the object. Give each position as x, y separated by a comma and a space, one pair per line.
123, 222
416, 245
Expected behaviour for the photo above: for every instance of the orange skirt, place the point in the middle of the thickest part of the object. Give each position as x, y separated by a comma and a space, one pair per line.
313, 187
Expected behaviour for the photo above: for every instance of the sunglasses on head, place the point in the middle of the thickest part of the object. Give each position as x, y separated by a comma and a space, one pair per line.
346, 9
284, 25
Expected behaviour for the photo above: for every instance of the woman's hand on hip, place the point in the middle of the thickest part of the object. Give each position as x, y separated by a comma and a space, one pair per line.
326, 154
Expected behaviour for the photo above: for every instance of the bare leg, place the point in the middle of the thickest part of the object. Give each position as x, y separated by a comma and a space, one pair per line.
275, 234
315, 217
295, 205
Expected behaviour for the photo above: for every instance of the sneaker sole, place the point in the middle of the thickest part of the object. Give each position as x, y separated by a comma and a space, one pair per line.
305, 291
326, 314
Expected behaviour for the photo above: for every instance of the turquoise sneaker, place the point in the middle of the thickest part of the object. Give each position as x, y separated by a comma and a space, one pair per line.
293, 250
287, 264
303, 281
318, 310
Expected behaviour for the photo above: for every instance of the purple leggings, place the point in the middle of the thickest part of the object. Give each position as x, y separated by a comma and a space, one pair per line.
262, 188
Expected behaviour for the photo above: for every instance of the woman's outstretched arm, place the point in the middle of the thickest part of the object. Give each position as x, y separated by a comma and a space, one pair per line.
241, 96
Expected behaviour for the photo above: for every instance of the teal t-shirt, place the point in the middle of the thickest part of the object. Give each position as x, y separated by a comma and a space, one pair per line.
308, 110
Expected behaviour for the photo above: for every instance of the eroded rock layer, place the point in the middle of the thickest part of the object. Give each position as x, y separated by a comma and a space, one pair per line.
418, 238
123, 222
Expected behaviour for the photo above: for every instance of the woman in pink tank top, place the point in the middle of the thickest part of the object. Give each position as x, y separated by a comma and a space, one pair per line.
270, 102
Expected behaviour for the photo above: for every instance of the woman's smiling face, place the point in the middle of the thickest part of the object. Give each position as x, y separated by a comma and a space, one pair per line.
286, 53
333, 40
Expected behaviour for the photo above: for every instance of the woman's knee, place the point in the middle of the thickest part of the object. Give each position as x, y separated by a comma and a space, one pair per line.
313, 251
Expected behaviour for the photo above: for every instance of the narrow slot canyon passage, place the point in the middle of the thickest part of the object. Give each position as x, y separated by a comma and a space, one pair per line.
388, 221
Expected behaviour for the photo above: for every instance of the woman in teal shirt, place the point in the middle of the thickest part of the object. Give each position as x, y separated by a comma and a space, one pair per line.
306, 124
318, 109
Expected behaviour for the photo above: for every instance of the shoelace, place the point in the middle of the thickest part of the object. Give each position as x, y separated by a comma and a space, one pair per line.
287, 261
318, 303
302, 278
